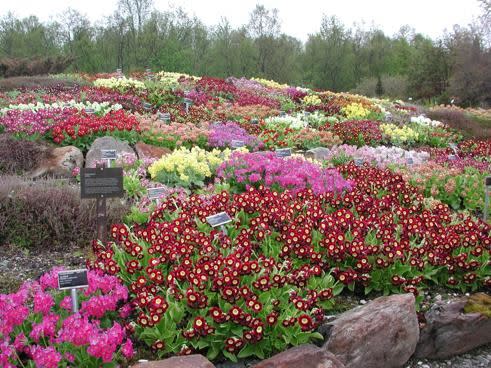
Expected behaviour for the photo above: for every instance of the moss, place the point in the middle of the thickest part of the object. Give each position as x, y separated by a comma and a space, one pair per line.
479, 303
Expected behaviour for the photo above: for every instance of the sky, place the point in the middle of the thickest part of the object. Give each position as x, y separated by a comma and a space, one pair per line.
298, 18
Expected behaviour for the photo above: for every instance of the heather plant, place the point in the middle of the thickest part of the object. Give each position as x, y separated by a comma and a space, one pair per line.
48, 214
243, 170
37, 326
19, 156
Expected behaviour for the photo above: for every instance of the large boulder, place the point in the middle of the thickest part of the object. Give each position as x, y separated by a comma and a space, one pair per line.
318, 153
59, 162
106, 143
149, 152
449, 331
304, 356
188, 361
382, 333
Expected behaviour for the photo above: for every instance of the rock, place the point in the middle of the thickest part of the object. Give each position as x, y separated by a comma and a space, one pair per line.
59, 162
104, 143
450, 332
382, 333
147, 151
187, 361
302, 356
318, 153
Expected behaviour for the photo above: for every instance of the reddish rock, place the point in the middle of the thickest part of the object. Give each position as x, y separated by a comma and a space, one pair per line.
188, 361
59, 162
449, 331
302, 356
147, 151
383, 333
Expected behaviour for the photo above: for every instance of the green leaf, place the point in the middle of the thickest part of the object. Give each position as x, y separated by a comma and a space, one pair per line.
230, 356
246, 351
316, 335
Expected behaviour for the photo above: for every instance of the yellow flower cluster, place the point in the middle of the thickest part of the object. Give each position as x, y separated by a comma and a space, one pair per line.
270, 83
121, 84
398, 134
312, 100
355, 111
187, 167
171, 79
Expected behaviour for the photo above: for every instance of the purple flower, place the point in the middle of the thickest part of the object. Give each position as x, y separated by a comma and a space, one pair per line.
222, 135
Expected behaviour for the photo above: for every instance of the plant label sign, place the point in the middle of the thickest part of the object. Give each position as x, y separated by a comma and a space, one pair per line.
101, 182
282, 114
283, 152
109, 154
410, 161
89, 111
147, 106
155, 193
454, 148
488, 181
237, 144
254, 121
164, 116
73, 279
358, 161
219, 219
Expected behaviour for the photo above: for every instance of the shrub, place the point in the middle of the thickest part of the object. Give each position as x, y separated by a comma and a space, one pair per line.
11, 67
48, 214
18, 156
458, 119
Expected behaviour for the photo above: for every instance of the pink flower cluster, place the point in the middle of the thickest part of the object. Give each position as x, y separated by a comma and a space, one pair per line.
54, 334
222, 135
294, 174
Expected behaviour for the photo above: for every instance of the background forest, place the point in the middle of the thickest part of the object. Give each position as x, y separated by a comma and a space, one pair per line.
339, 58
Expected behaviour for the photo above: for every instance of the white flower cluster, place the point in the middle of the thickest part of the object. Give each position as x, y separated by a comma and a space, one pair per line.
98, 107
423, 120
293, 122
121, 84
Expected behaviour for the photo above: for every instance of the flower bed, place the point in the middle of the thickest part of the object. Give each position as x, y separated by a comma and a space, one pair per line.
243, 170
37, 325
264, 283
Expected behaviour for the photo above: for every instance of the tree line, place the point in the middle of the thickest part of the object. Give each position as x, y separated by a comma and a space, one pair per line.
336, 57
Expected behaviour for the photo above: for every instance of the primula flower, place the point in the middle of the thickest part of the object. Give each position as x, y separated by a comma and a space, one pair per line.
45, 357
43, 302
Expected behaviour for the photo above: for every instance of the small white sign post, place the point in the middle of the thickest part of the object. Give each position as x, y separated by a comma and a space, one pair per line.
220, 219
73, 280
109, 155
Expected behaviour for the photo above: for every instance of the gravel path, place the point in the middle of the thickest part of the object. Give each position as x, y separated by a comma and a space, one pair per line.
477, 358
17, 265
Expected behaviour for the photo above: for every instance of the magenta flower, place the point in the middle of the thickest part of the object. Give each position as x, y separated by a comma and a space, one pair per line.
127, 349
45, 357
43, 302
